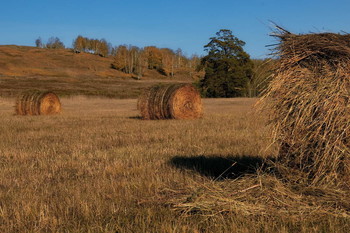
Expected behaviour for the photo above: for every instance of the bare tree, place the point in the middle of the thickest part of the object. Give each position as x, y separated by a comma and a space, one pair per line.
38, 43
54, 43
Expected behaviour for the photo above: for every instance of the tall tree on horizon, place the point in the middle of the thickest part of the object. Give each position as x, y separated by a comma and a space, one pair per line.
228, 67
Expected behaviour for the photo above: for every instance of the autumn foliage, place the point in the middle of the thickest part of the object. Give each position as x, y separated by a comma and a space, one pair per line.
84, 44
135, 60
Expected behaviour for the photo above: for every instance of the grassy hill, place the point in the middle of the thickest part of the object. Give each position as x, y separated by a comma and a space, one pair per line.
69, 73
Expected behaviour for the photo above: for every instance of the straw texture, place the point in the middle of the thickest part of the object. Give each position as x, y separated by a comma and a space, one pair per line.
308, 101
175, 101
37, 103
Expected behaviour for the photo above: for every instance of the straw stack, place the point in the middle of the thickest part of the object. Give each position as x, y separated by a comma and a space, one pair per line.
308, 101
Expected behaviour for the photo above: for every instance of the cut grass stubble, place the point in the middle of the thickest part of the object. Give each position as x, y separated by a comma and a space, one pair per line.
96, 167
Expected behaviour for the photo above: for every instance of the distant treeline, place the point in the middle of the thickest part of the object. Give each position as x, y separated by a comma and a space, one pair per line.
52, 43
96, 46
135, 61
132, 59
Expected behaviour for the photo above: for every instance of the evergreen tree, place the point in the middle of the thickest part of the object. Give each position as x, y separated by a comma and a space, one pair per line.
228, 67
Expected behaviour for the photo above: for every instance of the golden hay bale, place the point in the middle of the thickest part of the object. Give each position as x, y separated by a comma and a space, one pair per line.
308, 101
175, 101
37, 103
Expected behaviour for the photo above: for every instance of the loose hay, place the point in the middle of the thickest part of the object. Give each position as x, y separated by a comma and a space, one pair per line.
175, 101
37, 103
260, 195
308, 101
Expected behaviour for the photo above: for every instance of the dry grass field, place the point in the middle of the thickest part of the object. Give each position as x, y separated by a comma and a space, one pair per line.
66, 73
97, 167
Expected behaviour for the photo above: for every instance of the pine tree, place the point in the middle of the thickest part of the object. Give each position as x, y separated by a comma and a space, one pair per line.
228, 67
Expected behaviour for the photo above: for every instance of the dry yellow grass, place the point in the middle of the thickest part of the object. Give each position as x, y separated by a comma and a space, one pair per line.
98, 168
67, 73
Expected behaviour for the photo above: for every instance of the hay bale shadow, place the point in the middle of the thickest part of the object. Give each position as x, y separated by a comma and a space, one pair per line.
220, 168
136, 118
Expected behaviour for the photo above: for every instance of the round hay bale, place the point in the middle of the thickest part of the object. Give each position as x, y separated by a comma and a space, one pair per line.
308, 101
175, 101
37, 103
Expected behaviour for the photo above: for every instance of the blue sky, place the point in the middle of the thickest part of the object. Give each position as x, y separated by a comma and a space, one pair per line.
185, 24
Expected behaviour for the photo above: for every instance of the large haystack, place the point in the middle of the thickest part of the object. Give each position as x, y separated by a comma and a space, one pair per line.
309, 103
37, 103
175, 101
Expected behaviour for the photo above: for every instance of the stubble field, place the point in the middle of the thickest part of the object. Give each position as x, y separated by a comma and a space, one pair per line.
97, 167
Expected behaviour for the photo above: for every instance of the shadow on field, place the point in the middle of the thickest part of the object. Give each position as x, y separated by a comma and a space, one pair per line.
218, 167
136, 118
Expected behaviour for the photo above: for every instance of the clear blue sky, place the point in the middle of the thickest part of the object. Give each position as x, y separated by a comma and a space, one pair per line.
185, 24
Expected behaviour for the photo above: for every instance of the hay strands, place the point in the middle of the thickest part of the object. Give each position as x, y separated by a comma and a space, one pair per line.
37, 103
308, 102
174, 101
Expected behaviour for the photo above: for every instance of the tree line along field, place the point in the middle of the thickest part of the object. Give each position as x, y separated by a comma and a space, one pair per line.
67, 73
97, 167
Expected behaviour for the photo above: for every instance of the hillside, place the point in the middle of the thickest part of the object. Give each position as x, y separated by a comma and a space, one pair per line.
69, 73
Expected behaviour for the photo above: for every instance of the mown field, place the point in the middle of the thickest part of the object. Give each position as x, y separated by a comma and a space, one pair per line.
97, 167
68, 74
